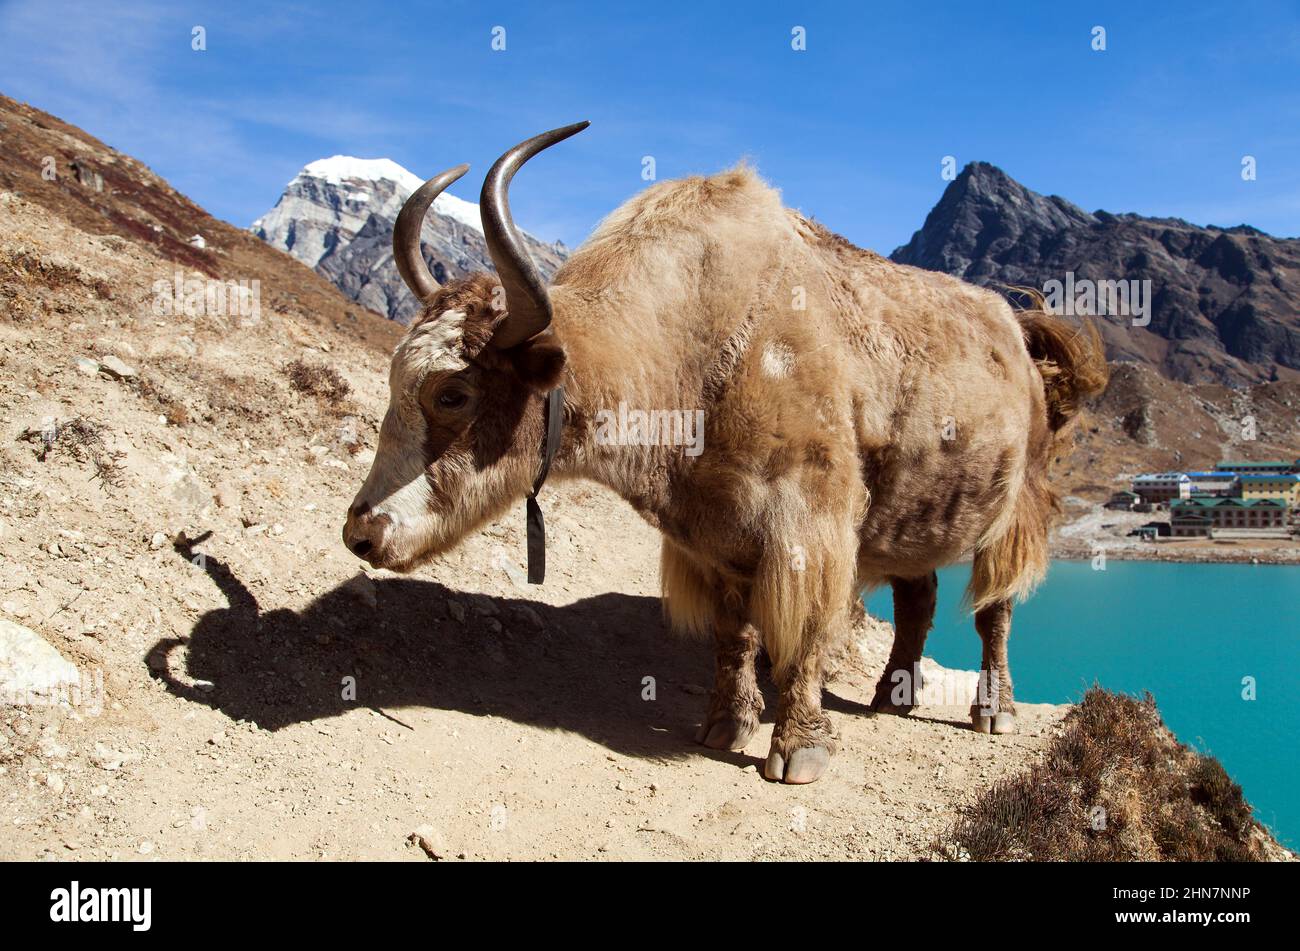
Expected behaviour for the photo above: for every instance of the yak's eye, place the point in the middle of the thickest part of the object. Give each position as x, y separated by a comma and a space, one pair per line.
446, 401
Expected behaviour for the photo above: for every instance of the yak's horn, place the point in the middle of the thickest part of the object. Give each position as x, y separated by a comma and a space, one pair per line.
406, 233
528, 307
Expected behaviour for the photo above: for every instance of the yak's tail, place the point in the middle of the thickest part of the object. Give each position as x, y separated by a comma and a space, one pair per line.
1071, 360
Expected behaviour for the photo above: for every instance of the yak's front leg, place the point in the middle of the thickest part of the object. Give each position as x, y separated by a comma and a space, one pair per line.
736, 702
803, 740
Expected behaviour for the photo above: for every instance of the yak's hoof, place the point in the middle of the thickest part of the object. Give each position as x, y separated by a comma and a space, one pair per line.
805, 765
893, 709
887, 689
998, 724
726, 733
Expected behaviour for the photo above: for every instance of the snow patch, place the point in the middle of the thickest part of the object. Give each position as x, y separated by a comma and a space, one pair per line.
347, 170
343, 168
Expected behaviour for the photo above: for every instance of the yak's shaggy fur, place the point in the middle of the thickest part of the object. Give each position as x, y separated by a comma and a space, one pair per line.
864, 422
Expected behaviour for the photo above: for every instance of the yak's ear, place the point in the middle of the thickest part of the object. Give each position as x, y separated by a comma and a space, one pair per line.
540, 361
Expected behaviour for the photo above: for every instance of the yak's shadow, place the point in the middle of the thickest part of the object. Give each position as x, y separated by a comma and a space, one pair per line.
580, 668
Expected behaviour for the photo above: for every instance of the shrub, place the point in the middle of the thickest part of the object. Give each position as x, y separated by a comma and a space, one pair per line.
83, 439
317, 379
1113, 786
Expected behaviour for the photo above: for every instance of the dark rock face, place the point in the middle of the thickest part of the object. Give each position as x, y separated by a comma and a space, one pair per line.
1224, 303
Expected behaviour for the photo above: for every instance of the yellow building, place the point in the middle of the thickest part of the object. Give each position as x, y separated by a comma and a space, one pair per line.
1272, 486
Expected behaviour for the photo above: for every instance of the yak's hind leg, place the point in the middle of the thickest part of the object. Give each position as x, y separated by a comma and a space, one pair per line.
697, 601
736, 701
994, 709
900, 683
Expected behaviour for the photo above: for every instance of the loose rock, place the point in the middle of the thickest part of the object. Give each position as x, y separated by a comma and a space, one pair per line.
114, 368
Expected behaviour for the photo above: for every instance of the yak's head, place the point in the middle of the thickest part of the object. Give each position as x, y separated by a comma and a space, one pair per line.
462, 437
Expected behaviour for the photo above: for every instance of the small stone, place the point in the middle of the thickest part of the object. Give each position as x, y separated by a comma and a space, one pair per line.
456, 610
87, 366
362, 589
30, 667
483, 605
157, 541
529, 615
114, 368
430, 840
109, 759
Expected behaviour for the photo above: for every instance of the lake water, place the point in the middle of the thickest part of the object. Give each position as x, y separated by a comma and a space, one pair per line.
1188, 633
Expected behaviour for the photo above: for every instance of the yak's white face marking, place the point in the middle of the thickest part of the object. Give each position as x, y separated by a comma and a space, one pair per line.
396, 486
434, 345
778, 360
441, 468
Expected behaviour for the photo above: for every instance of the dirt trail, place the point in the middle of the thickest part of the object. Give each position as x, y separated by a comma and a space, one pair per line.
192, 559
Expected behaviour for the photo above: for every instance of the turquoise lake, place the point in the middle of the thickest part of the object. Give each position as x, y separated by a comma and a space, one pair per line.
1188, 633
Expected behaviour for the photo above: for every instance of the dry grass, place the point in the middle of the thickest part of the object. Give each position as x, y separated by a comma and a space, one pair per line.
1114, 786
170, 406
27, 279
82, 439
318, 379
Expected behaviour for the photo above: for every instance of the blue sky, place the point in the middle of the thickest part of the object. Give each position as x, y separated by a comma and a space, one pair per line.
853, 129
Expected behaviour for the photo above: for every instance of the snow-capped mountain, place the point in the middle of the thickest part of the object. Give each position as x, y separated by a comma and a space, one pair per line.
337, 216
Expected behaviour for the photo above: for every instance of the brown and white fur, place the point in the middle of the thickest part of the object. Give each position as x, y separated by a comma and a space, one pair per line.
864, 422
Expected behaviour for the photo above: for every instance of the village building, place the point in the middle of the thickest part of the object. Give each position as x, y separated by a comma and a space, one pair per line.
1278, 466
1123, 501
1206, 516
1272, 486
1220, 484
1162, 487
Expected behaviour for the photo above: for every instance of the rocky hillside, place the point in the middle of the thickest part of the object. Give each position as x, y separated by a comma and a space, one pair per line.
337, 216
1145, 422
1224, 304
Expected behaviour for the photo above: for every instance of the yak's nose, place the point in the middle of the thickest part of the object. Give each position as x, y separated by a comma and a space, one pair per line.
364, 532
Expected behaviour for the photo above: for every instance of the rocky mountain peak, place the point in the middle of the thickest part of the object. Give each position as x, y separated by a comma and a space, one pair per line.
1224, 303
337, 216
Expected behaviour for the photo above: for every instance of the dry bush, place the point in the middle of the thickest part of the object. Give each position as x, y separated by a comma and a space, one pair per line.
1114, 786
26, 279
82, 439
317, 379
171, 407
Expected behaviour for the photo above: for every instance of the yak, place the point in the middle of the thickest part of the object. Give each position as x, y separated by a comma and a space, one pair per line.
863, 422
